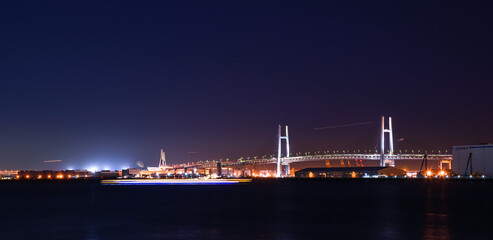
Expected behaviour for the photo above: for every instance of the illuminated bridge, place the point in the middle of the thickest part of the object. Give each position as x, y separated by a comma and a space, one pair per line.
211, 166
283, 163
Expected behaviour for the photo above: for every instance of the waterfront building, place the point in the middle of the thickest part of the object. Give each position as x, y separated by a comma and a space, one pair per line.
473, 159
349, 172
51, 174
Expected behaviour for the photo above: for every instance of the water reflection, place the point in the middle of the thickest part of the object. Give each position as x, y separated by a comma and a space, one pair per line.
295, 210
91, 232
436, 214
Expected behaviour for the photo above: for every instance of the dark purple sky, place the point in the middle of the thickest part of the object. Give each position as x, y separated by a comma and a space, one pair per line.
100, 83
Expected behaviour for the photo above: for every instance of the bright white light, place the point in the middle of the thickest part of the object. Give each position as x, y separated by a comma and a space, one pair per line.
93, 169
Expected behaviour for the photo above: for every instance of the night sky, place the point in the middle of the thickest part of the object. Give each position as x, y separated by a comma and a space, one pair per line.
110, 83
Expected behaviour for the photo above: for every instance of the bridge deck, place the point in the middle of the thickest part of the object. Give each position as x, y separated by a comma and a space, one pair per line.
376, 157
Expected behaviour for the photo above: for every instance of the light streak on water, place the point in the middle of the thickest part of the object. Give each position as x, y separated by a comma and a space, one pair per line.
175, 181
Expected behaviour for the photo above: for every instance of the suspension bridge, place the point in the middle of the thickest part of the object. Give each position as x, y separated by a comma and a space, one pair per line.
386, 157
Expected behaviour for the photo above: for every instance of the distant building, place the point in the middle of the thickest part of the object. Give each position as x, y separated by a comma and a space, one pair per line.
51, 174
348, 172
473, 158
130, 172
107, 174
8, 174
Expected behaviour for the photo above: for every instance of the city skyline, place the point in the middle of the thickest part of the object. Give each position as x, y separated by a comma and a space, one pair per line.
100, 83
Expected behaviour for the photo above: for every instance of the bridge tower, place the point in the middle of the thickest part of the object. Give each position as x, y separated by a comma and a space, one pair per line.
162, 160
383, 161
279, 150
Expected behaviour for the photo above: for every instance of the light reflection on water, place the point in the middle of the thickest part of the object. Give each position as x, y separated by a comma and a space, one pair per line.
436, 215
91, 232
294, 210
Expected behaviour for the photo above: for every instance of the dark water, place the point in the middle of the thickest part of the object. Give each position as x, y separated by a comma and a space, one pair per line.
269, 210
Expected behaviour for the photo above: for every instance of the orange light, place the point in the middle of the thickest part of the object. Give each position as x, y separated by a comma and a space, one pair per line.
442, 173
49, 176
39, 177
69, 176
27, 176
17, 176
428, 173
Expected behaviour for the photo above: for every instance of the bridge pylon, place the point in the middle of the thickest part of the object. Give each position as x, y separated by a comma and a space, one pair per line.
279, 150
162, 160
384, 161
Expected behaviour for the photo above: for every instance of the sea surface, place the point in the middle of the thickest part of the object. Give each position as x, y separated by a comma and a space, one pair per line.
271, 209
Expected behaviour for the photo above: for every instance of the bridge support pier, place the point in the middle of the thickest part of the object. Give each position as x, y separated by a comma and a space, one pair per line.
384, 161
279, 150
